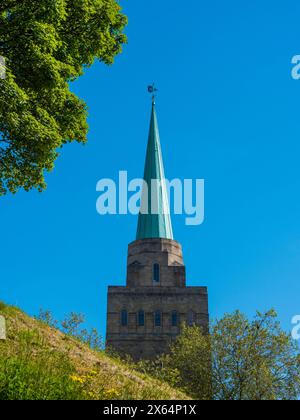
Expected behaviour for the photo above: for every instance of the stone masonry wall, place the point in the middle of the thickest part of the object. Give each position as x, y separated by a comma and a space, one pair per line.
142, 294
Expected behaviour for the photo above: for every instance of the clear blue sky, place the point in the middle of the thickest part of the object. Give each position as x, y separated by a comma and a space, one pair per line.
228, 112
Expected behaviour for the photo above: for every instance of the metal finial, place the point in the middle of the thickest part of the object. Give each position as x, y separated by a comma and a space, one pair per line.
152, 89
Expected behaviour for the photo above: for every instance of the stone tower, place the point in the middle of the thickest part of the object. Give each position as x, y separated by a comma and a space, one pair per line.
146, 314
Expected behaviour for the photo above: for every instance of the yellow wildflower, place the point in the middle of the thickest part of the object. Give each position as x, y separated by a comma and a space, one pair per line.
111, 393
76, 378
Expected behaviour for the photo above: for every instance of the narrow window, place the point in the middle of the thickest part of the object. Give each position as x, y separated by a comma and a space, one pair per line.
124, 318
174, 318
141, 318
191, 318
157, 319
156, 273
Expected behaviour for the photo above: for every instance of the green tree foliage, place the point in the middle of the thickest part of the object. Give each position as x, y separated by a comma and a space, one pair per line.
46, 45
187, 365
190, 355
239, 360
254, 360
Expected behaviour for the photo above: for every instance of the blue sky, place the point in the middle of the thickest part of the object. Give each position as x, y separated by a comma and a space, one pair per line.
228, 112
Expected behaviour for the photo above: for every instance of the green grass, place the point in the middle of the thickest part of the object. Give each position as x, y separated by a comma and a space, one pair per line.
38, 362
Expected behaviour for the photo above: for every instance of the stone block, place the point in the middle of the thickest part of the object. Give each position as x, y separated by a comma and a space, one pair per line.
2, 328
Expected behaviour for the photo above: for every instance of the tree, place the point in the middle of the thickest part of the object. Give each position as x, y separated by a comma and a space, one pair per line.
47, 44
71, 324
190, 356
254, 360
239, 360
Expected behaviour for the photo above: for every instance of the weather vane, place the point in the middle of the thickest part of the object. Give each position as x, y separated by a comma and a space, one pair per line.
152, 89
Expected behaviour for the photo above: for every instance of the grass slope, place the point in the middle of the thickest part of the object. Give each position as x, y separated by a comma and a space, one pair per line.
39, 362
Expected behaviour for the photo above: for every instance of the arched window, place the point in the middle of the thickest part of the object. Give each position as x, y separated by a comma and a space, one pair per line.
157, 319
141, 318
174, 319
191, 318
124, 318
156, 273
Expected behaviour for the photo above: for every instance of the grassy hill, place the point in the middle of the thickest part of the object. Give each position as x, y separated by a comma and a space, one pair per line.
39, 362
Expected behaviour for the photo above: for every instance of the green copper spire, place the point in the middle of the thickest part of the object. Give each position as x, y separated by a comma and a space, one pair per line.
154, 218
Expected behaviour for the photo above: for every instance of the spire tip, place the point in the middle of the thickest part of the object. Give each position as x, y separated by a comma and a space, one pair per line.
152, 89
